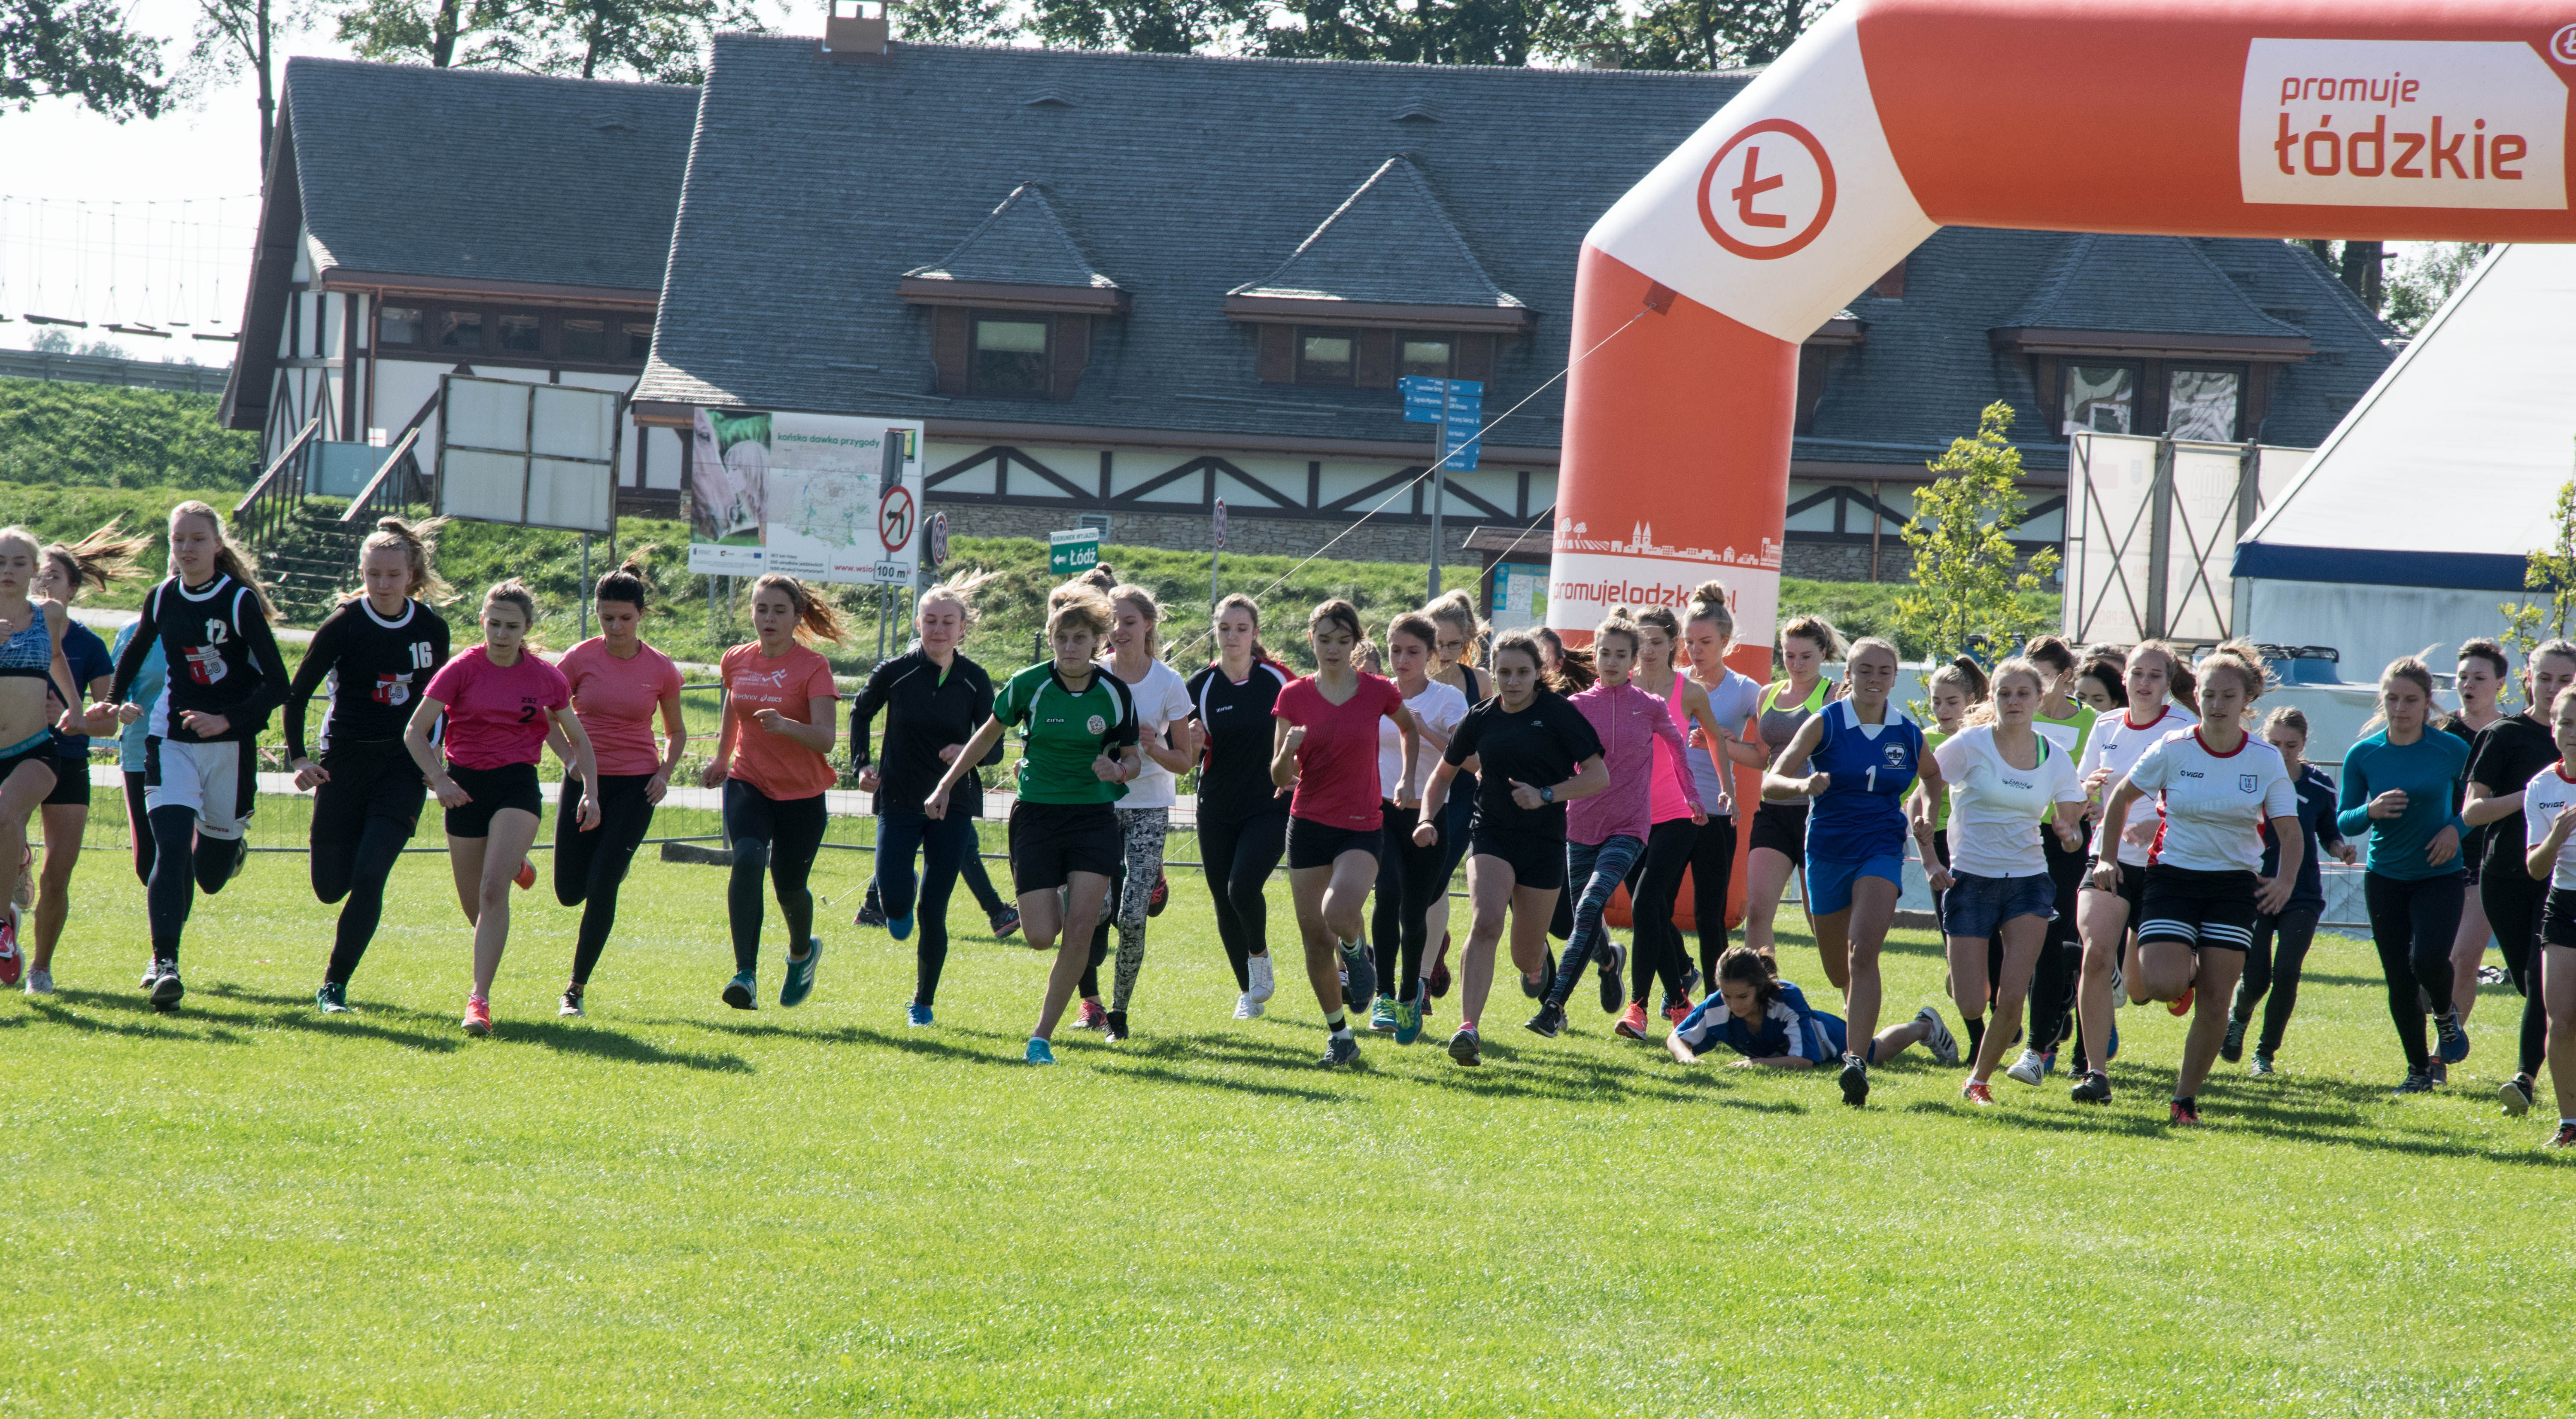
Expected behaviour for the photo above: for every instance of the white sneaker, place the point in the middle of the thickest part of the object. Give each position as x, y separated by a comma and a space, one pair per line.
1263, 985
40, 982
1247, 1008
1937, 1037
2028, 1069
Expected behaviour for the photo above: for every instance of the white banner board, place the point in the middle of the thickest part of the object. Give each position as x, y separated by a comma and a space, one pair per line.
820, 497
541, 455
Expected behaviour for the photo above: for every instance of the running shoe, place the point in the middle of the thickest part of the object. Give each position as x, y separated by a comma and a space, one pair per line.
526, 878
2181, 1005
1340, 1048
332, 998
1004, 922
1264, 984
1614, 972
12, 965
478, 1015
166, 989
1690, 977
917, 1015
800, 974
1247, 1008
2261, 1067
1440, 969
1408, 1021
2114, 1051
1537, 989
1090, 1016
2417, 1081
1937, 1037
1855, 1081
2516, 1094
1465, 1048
2119, 983
2093, 1088
1382, 1017
2183, 1113
2566, 1137
2232, 1048
1676, 1011
1980, 1094
2441, 1073
1548, 1022
2455, 1040
1040, 1052
743, 991
1632, 1021
899, 927
2029, 1069
40, 982
1359, 975
151, 971
870, 914
1113, 1026
570, 1008
2492, 975
1162, 894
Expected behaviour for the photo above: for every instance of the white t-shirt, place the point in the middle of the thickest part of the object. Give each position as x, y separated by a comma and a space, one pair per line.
2116, 745
1439, 706
2214, 804
1162, 699
2543, 799
1995, 808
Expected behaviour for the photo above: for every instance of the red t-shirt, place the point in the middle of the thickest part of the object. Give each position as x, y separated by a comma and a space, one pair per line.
497, 714
1337, 761
618, 701
773, 763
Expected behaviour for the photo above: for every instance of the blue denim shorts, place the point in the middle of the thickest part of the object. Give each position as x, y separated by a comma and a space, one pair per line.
1975, 906
1829, 883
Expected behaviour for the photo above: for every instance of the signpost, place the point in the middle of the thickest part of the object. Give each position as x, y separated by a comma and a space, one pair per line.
1217, 554
938, 540
823, 497
1070, 554
1458, 407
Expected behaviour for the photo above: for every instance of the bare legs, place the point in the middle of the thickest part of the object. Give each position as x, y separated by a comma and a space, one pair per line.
2468, 946
1332, 907
484, 869
2024, 936
64, 825
1068, 923
1496, 900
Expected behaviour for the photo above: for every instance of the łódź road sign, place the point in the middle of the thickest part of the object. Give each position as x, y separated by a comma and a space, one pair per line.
1070, 553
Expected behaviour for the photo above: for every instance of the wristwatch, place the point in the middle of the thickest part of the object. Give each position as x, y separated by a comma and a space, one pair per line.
1547, 795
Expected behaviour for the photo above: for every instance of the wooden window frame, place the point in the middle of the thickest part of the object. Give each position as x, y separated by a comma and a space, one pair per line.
1305, 374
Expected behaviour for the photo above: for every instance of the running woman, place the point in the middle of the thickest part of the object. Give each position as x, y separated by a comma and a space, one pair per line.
2549, 818
1607, 833
1162, 700
1462, 632
2106, 913
1538, 754
2398, 786
1411, 877
2216, 784
2004, 777
934, 698
1326, 749
1952, 691
35, 682
1768, 1021
1243, 816
503, 705
211, 621
1708, 633
2282, 938
1080, 753
2479, 678
1779, 833
146, 690
2509, 754
619, 684
2099, 686
773, 760
1854, 761
377, 651
2067, 722
1678, 813
100, 559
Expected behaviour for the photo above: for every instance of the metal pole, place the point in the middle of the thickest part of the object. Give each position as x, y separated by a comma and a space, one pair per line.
585, 586
1439, 487
1215, 555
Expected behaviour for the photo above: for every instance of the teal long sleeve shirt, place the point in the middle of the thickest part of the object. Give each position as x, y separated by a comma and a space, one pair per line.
2428, 771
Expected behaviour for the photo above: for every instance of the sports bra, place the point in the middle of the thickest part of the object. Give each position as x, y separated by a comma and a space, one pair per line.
31, 651
1780, 726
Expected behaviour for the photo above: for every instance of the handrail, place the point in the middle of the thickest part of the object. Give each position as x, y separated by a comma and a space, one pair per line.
384, 470
293, 448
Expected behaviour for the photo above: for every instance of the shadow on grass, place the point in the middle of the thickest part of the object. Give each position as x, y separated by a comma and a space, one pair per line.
135, 1018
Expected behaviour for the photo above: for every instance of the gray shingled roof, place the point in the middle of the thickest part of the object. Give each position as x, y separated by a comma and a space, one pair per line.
2142, 284
1390, 241
475, 175
1022, 243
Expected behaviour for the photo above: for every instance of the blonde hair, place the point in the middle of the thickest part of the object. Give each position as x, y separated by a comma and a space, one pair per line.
419, 543
1708, 603
1982, 708
1820, 633
815, 618
959, 592
2287, 717
516, 593
2243, 660
1457, 611
1075, 604
103, 557
231, 559
1870, 643
1147, 607
2182, 683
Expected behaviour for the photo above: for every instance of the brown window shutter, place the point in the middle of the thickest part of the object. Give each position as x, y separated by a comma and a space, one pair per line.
1068, 353
1277, 359
949, 332
1475, 357
1375, 367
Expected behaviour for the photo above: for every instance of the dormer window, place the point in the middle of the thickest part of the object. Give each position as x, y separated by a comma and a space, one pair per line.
1012, 307
1010, 359
1426, 356
1327, 356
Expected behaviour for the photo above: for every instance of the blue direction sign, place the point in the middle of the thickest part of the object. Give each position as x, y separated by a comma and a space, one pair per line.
1459, 446
1434, 401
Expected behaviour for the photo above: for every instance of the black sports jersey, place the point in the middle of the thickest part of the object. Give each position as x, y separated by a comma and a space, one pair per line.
1539, 744
1234, 768
2504, 759
376, 669
223, 659
925, 712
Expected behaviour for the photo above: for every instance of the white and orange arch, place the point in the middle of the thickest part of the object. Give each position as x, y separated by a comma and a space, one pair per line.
2395, 119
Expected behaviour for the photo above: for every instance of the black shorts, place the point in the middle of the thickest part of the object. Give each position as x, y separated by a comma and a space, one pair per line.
2133, 885
509, 786
1052, 841
2558, 919
43, 753
1313, 844
371, 779
71, 782
1536, 862
1781, 827
2199, 909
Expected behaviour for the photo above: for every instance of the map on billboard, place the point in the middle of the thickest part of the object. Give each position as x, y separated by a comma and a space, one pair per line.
823, 497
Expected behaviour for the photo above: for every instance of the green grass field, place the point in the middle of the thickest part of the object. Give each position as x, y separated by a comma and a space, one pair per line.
670, 1207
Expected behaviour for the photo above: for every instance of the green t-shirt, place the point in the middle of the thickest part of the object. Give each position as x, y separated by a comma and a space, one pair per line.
1063, 732
2070, 735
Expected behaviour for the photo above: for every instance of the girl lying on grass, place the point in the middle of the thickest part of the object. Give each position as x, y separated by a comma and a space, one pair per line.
1768, 1021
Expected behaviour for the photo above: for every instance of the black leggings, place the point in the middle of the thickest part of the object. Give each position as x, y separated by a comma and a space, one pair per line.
2513, 901
1654, 889
183, 864
1712, 870
2280, 949
2412, 923
590, 865
1238, 858
2061, 957
138, 826
778, 837
1409, 882
358, 871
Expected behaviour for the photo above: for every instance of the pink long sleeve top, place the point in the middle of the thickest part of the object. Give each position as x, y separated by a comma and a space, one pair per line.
1629, 721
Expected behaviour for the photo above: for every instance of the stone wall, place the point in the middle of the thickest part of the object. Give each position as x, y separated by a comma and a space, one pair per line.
1850, 561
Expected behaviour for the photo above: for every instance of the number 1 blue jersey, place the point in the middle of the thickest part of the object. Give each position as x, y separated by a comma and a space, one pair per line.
1871, 767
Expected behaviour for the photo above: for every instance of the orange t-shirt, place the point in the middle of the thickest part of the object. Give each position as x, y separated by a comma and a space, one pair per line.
773, 763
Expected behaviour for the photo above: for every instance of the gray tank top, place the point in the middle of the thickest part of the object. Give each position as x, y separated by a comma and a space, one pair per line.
1779, 726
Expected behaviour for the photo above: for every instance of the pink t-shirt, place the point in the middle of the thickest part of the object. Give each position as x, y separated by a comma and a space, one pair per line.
1633, 726
497, 714
1337, 761
1669, 803
618, 701
773, 763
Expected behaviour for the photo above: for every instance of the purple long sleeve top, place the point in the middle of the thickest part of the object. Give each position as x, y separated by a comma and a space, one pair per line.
1629, 722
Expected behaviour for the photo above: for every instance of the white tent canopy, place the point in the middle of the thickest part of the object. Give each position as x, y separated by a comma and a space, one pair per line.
2413, 520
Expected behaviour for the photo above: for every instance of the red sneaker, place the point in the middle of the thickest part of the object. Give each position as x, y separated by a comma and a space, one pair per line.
2184, 1115
12, 965
1161, 896
527, 878
1678, 1011
1633, 1022
478, 1017
1092, 1017
2566, 1137
2183, 1007
1977, 1093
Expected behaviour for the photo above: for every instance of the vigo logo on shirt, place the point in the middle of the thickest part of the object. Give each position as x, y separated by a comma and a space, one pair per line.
2399, 123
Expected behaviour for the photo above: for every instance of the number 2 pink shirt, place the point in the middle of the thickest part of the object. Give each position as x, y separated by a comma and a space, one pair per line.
497, 714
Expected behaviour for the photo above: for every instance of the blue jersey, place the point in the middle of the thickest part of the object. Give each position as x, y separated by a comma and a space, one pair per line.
2317, 827
1787, 1029
1870, 768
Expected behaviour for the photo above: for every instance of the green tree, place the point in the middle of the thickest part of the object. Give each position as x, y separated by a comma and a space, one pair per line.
2549, 574
2425, 279
80, 50
661, 41
1145, 26
1965, 586
1498, 32
1709, 34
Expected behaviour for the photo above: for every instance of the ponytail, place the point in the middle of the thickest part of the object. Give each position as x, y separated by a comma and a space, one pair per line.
815, 618
103, 557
